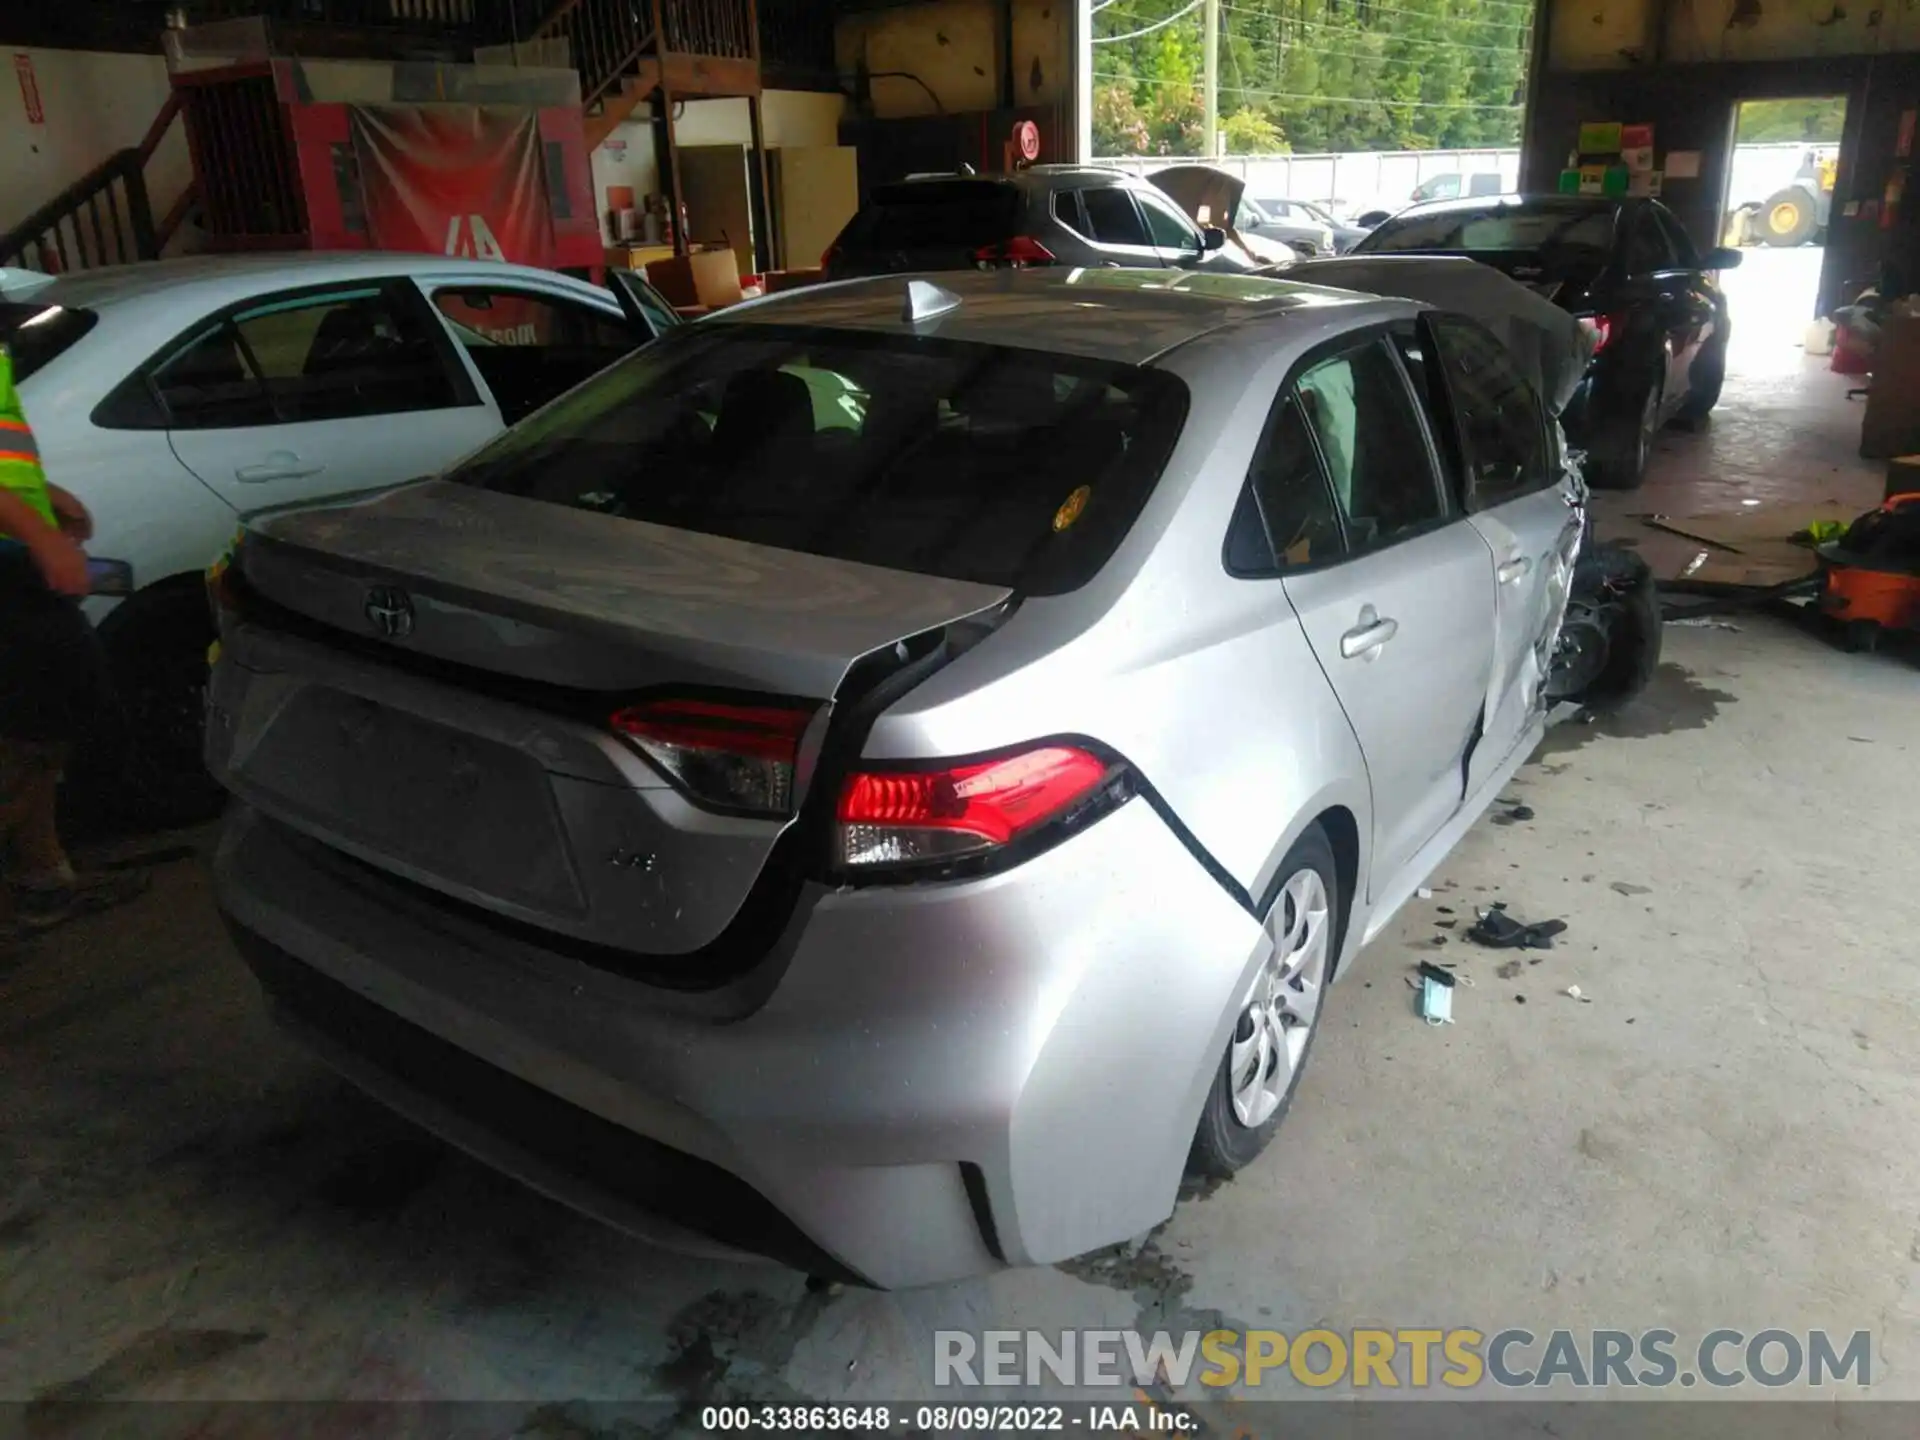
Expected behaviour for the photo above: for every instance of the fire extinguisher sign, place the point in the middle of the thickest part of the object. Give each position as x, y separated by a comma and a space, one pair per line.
29, 88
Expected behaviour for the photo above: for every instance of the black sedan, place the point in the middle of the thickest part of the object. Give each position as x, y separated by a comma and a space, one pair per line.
1628, 270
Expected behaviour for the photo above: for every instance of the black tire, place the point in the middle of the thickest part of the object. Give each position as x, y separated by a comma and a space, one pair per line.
1624, 582
158, 653
1706, 380
1222, 1146
1617, 458
1789, 218
1860, 637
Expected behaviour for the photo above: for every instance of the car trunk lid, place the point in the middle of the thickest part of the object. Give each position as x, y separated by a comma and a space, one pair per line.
428, 681
571, 598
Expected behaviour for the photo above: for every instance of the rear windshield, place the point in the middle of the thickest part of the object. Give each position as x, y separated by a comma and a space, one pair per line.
934, 215
970, 462
1534, 227
35, 334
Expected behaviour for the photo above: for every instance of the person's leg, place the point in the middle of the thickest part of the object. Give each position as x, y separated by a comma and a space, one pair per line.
52, 687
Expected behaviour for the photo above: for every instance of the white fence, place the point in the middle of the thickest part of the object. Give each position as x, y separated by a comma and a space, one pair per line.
1354, 182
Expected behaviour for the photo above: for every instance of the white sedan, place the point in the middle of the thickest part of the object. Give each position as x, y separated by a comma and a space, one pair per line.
173, 397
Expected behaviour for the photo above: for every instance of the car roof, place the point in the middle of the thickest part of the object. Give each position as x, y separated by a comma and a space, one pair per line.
1537, 201
1125, 315
1033, 177
215, 280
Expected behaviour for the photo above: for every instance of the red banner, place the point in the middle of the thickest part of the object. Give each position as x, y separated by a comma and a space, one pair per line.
455, 180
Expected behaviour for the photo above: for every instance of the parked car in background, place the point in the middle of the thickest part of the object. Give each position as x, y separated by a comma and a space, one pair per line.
174, 396
1339, 235
1628, 269
1208, 195
900, 836
1458, 186
1043, 215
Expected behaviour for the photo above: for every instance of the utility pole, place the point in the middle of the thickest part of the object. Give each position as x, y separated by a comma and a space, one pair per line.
1210, 82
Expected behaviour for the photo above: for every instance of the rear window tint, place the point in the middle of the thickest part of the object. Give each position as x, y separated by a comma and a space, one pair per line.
35, 334
935, 215
1541, 225
966, 461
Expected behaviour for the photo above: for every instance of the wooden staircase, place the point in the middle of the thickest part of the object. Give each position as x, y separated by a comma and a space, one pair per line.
105, 217
625, 50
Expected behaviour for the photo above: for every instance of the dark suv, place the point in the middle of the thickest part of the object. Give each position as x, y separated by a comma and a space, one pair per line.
1048, 214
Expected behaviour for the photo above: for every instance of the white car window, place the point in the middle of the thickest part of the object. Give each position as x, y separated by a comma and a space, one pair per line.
331, 355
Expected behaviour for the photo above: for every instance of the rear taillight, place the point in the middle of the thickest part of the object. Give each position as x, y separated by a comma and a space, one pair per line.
926, 817
1600, 327
829, 255
1020, 250
733, 757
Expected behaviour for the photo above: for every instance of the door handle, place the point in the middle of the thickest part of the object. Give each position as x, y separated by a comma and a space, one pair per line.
1514, 571
281, 465
1365, 640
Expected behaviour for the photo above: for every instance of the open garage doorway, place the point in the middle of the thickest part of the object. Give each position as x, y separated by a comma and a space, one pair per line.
1776, 209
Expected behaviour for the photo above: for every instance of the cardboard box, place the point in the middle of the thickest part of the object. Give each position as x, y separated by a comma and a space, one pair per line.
710, 278
1891, 425
636, 257
779, 281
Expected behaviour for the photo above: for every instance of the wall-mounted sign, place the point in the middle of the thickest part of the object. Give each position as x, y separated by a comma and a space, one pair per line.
29, 88
1634, 137
1026, 140
1683, 165
1600, 137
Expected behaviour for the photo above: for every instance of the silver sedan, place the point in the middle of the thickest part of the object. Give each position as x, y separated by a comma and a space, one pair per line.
885, 777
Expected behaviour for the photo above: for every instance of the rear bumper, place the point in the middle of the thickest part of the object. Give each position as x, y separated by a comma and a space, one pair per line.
946, 1078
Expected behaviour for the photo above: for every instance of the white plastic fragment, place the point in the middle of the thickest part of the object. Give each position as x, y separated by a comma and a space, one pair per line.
1574, 991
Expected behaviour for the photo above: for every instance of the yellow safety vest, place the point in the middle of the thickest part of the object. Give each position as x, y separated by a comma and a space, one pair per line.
20, 472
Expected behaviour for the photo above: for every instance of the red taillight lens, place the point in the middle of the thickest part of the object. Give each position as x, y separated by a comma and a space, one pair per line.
1600, 327
829, 255
739, 757
904, 817
1020, 250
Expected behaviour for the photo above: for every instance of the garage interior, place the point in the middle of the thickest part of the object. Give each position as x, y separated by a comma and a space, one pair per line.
1713, 1131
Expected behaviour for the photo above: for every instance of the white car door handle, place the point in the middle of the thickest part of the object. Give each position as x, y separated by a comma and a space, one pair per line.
281, 465
1514, 571
1366, 638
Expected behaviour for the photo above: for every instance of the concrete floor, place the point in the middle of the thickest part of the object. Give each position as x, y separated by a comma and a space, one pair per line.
1724, 1136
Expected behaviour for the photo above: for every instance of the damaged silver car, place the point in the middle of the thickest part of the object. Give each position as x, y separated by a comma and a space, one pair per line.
884, 778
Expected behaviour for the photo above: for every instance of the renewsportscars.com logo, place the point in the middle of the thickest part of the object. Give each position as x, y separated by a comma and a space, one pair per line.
1416, 1359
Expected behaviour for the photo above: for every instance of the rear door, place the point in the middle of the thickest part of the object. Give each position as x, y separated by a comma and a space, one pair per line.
1692, 291
1517, 500
318, 392
926, 225
1659, 288
1402, 618
528, 345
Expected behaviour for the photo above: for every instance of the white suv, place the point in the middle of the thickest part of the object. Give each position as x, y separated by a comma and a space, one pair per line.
176, 396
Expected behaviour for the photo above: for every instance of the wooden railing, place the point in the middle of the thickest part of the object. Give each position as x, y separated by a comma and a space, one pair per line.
103, 218
605, 37
709, 27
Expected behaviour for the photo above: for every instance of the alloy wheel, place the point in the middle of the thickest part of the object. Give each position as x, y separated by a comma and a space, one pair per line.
1278, 1013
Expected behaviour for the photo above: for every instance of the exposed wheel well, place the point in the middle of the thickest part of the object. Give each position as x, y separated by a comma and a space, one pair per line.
1343, 834
160, 591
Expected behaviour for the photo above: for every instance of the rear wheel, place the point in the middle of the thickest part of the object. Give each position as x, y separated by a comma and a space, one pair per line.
1618, 456
1788, 218
1706, 379
158, 653
1277, 1017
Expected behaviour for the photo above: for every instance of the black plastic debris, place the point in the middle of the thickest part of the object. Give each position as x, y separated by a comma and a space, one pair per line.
1521, 812
1500, 931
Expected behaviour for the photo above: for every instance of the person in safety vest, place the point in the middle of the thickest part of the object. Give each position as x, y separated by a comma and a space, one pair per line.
53, 682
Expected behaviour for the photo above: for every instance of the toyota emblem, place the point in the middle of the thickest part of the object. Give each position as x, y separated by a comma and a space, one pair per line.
390, 611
